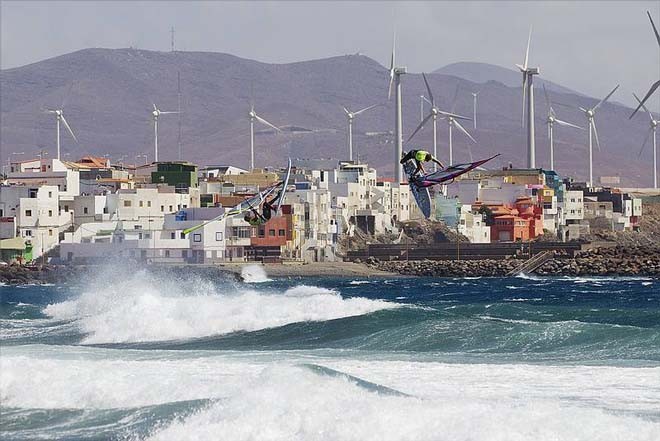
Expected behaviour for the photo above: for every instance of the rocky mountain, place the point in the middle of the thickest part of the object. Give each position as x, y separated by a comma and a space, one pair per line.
484, 72
108, 95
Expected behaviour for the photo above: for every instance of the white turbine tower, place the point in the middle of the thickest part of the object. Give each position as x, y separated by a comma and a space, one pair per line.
59, 116
551, 121
395, 78
156, 113
651, 132
253, 116
528, 103
350, 115
474, 109
449, 116
590, 113
655, 85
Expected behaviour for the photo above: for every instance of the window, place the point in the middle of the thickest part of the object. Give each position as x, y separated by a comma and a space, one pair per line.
28, 233
172, 235
50, 232
66, 208
50, 194
85, 210
197, 237
271, 232
139, 235
262, 232
218, 236
141, 204
167, 253
170, 208
50, 213
127, 203
28, 213
162, 208
183, 236
282, 232
149, 204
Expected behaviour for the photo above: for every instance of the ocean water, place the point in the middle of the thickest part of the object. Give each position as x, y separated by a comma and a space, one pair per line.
130, 355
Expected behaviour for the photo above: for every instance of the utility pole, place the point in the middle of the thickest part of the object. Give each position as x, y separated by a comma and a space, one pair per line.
178, 85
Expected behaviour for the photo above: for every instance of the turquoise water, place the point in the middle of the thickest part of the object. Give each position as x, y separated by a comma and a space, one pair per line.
156, 357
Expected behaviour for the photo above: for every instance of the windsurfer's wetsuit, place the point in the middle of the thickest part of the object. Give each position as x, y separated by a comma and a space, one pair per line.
255, 219
420, 156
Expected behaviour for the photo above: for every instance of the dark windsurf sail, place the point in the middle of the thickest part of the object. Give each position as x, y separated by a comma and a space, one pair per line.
448, 174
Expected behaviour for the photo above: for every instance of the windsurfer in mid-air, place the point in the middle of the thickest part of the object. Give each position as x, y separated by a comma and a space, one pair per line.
420, 156
253, 217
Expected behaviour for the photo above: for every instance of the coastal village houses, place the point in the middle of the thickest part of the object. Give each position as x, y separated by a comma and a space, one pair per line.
90, 210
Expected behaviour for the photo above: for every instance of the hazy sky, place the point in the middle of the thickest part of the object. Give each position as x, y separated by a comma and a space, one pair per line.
587, 46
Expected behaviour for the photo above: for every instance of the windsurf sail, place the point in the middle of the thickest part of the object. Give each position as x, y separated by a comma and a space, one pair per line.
252, 203
448, 174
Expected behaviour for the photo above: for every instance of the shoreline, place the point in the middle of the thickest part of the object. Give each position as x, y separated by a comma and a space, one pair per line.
612, 262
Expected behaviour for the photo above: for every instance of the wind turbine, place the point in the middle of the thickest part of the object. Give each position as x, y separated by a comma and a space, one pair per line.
652, 131
156, 114
655, 85
350, 115
253, 116
395, 78
528, 101
474, 109
551, 121
449, 116
59, 116
590, 113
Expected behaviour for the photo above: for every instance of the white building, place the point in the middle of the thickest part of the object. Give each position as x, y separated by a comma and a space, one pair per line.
33, 213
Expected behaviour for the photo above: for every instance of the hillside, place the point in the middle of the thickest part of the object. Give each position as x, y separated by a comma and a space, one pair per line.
108, 95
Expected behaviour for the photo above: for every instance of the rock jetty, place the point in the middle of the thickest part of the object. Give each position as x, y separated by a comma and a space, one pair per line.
616, 261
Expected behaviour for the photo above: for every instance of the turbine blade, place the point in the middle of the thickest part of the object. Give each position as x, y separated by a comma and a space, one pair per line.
66, 124
646, 97
454, 115
462, 129
165, 113
606, 98
643, 106
392, 63
419, 127
529, 40
648, 135
655, 30
582, 108
427, 100
567, 124
548, 105
453, 101
263, 121
365, 109
593, 123
428, 89
155, 108
346, 110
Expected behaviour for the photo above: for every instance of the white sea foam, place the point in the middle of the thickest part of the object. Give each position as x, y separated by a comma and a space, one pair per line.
254, 274
359, 282
286, 403
142, 308
269, 396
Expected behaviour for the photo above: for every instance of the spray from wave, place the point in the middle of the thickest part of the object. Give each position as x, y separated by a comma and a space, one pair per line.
254, 274
146, 307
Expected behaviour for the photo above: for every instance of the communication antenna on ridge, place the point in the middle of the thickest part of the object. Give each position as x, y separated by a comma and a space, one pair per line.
172, 42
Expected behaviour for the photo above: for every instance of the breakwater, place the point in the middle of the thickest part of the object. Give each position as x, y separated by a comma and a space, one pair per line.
613, 261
